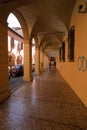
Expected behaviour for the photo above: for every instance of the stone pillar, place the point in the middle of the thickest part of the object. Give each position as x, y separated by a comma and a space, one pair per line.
5, 91
27, 61
58, 57
46, 62
42, 60
37, 60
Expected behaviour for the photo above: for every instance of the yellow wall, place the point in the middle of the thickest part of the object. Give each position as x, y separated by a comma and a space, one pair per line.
76, 78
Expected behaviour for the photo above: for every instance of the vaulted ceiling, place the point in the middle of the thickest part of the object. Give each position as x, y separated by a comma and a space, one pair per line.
49, 20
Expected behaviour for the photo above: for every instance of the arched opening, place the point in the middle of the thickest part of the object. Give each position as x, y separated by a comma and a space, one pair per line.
15, 50
19, 59
33, 55
11, 60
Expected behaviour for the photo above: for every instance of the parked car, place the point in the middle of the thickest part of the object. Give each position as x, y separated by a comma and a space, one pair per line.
17, 70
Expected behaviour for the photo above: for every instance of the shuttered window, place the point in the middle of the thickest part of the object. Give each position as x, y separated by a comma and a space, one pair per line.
63, 52
71, 39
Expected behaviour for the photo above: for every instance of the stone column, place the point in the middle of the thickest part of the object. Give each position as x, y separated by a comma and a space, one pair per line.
5, 91
37, 60
27, 61
46, 62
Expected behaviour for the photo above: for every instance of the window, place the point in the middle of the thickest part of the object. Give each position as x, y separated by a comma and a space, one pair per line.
12, 43
63, 52
21, 45
71, 37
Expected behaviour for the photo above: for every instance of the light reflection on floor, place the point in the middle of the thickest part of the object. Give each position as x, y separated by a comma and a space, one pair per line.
46, 103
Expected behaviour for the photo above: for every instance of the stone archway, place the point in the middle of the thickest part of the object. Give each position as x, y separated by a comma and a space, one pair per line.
27, 47
19, 59
22, 23
11, 60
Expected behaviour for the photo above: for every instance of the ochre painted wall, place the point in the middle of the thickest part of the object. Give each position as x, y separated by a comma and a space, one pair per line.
75, 73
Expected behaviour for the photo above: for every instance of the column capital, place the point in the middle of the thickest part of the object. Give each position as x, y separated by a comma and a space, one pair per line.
26, 41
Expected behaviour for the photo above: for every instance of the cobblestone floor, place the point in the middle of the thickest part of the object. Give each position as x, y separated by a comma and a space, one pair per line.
47, 103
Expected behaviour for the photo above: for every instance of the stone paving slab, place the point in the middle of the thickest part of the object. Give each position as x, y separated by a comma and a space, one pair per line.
47, 103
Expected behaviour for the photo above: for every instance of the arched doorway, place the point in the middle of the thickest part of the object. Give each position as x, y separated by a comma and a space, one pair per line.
19, 59
11, 60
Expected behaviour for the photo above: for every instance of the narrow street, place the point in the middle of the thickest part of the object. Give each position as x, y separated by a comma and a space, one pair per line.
16, 83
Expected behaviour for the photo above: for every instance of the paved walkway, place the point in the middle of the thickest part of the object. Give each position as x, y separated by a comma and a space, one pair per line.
47, 103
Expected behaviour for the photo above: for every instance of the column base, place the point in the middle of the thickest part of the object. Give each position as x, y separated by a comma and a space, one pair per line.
4, 95
37, 73
26, 78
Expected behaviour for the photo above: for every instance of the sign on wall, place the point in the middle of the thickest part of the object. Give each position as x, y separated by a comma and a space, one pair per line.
82, 63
